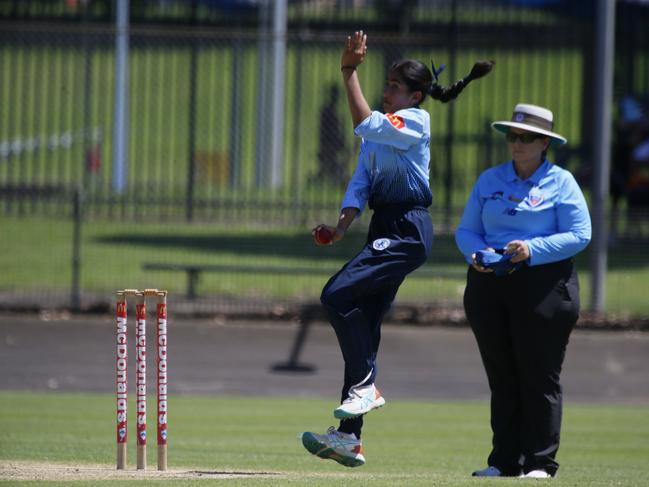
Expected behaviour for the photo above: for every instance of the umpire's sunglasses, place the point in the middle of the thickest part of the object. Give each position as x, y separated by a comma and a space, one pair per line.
525, 137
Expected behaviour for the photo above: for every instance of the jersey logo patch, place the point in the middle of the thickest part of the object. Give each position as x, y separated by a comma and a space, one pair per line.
396, 120
535, 198
381, 244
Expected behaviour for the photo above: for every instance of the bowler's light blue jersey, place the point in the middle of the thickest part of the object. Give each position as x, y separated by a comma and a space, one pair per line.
547, 211
393, 163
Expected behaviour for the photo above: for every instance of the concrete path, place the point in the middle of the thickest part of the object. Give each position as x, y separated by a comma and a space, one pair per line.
211, 357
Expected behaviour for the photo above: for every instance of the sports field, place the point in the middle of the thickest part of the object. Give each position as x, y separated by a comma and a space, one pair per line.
57, 438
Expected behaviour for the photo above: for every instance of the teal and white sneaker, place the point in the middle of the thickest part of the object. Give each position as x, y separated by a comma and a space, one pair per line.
361, 400
344, 448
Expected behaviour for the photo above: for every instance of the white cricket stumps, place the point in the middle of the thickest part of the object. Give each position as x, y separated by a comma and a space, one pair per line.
121, 371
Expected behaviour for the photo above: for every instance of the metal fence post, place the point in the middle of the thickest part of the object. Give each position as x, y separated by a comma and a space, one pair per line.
191, 162
605, 52
120, 124
75, 294
450, 122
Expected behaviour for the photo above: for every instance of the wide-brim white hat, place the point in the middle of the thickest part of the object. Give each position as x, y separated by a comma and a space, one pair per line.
533, 119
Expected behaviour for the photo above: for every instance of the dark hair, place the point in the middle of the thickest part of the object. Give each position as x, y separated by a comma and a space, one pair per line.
418, 77
415, 75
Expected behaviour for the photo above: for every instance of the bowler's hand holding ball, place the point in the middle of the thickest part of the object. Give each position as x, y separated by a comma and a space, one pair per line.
323, 235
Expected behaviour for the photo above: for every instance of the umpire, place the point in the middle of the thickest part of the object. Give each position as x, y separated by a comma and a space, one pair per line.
532, 217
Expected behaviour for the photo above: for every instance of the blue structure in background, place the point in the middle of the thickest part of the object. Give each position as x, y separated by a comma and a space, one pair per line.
240, 6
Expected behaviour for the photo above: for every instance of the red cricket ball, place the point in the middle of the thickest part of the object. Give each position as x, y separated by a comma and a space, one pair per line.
323, 235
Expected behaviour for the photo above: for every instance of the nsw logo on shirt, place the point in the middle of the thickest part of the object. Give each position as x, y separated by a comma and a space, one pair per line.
535, 197
381, 244
396, 120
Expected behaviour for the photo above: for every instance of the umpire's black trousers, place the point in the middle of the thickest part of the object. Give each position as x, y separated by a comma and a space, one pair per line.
522, 323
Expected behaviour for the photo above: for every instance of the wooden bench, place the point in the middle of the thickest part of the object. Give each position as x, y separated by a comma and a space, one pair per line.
309, 312
194, 270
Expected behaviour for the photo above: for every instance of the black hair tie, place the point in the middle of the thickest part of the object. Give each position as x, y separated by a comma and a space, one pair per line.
437, 72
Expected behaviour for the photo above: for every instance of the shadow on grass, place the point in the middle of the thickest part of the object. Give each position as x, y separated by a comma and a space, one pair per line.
273, 245
622, 256
230, 473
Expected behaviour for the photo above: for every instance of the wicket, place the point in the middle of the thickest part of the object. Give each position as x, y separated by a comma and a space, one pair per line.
140, 356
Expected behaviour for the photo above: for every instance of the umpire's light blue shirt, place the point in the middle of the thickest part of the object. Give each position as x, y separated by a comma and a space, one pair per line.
547, 211
393, 163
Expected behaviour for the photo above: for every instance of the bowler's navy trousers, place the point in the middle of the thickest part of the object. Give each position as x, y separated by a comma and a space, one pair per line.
360, 294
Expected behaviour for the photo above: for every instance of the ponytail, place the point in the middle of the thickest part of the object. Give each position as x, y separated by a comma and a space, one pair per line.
446, 94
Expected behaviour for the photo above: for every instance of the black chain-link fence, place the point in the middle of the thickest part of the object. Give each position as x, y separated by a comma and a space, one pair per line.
198, 187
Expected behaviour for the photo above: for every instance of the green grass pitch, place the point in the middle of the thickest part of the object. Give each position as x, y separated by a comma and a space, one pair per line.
406, 443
